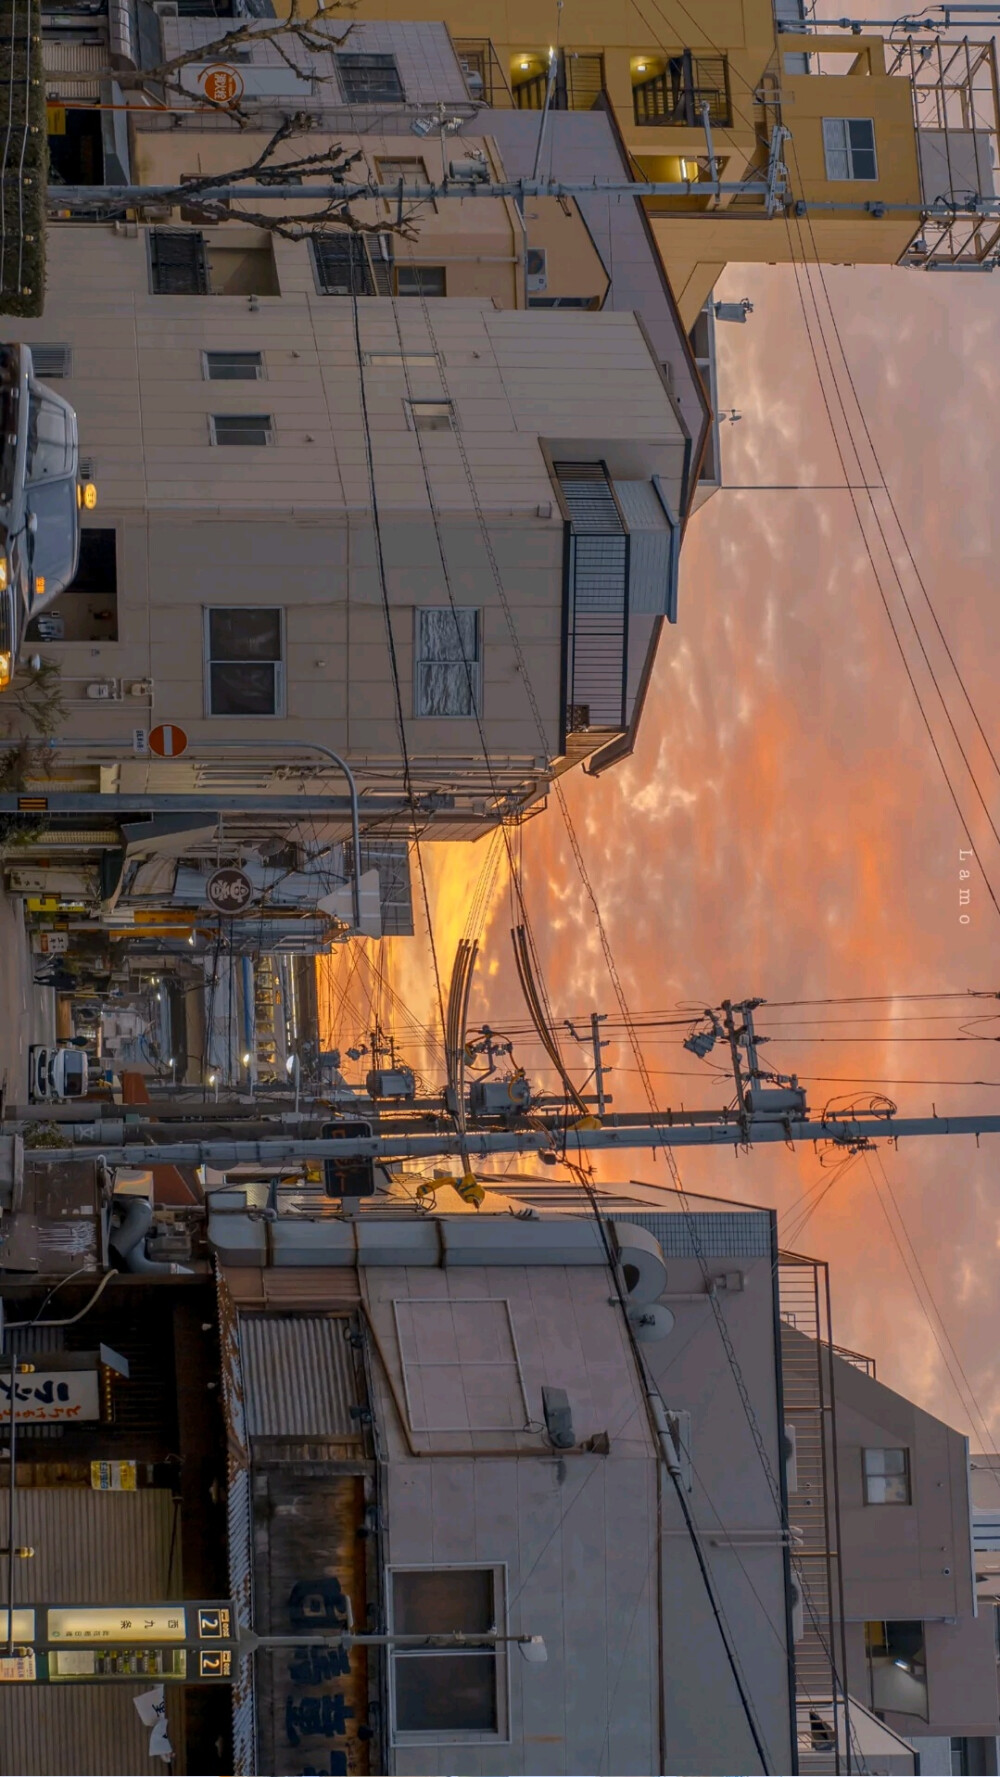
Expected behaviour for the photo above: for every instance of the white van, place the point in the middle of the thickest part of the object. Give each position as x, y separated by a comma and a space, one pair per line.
57, 1073
41, 499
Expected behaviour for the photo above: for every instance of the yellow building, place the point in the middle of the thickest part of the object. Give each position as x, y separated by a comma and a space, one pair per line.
844, 139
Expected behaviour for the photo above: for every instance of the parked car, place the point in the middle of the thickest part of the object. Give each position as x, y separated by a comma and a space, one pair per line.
41, 499
57, 1073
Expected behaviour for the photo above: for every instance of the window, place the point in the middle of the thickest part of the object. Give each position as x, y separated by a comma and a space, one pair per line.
564, 302
233, 367
51, 361
411, 172
887, 1477
370, 80
448, 662
243, 645
178, 262
241, 428
440, 1692
401, 360
420, 280
430, 416
342, 267
849, 147
460, 1364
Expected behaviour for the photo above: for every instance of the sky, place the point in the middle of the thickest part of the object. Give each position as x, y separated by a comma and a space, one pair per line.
784, 829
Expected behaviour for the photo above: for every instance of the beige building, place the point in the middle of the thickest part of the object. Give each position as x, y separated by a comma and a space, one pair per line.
527, 467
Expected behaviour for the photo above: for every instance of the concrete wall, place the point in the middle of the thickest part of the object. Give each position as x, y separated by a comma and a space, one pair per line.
739, 1521
579, 1534
575, 1535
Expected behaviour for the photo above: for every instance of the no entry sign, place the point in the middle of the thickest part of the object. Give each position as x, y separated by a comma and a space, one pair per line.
167, 741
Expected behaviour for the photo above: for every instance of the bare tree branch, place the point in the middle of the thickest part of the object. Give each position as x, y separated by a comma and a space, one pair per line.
333, 161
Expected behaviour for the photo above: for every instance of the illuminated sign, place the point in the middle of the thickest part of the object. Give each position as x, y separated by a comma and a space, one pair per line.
126, 1623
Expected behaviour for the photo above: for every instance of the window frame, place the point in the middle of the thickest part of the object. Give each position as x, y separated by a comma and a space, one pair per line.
416, 161
408, 268
219, 352
362, 61
203, 274
868, 1475
358, 253
501, 1735
847, 149
419, 659
218, 443
444, 408
208, 661
49, 375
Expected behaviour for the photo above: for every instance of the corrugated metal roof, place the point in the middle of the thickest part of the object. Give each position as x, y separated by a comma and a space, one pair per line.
98, 1548
87, 1729
299, 1376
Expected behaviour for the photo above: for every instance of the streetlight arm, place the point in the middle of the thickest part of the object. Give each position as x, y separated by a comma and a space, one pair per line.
250, 1641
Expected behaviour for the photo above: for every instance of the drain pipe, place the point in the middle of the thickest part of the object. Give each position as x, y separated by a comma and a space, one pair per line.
128, 1241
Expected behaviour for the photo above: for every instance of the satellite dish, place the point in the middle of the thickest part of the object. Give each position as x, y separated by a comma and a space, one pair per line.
650, 1322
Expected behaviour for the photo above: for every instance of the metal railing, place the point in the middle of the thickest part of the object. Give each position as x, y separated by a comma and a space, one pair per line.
597, 601
676, 97
483, 72
814, 1515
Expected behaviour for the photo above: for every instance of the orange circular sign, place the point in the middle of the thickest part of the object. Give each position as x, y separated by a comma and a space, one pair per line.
222, 84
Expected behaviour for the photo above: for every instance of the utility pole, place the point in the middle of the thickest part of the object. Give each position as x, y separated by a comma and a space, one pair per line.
596, 1020
727, 1128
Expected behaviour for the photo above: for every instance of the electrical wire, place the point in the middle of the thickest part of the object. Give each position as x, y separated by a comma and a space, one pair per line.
18, 1325
942, 1340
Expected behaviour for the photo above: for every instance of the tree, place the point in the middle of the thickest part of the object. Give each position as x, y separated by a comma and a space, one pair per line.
332, 163
313, 34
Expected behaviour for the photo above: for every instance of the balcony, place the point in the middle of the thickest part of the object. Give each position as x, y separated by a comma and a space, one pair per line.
578, 84
622, 551
675, 95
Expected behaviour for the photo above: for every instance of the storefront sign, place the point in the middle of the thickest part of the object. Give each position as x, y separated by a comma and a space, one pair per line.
50, 1395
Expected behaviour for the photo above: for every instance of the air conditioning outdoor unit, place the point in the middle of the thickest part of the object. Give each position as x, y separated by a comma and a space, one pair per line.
166, 9
536, 270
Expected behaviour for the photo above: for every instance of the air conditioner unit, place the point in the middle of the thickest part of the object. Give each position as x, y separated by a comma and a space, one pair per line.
166, 9
536, 270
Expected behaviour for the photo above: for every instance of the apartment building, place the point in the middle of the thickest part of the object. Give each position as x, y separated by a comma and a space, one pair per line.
920, 1633
408, 495
826, 144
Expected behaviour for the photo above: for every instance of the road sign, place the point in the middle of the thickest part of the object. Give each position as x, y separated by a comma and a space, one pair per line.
229, 891
222, 84
167, 741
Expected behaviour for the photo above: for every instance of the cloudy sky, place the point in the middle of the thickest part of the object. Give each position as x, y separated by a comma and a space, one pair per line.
784, 828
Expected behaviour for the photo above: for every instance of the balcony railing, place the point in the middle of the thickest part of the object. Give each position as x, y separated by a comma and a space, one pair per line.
484, 75
578, 84
597, 601
675, 98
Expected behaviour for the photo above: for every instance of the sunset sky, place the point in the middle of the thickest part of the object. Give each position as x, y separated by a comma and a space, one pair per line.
784, 828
